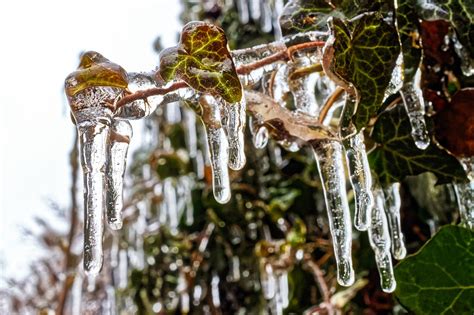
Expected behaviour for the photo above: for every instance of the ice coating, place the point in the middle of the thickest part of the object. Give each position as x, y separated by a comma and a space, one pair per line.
169, 192
392, 210
260, 138
303, 88
120, 135
283, 289
218, 148
379, 237
415, 106
235, 127
361, 180
328, 155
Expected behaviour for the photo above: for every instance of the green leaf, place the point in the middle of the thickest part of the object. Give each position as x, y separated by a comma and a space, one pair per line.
397, 155
305, 15
203, 61
439, 279
408, 26
364, 58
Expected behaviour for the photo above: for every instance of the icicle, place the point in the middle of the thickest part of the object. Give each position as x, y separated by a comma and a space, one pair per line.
467, 63
283, 288
173, 113
123, 269
392, 210
379, 238
235, 126
119, 140
280, 87
169, 193
235, 269
243, 9
254, 6
190, 131
303, 88
182, 289
415, 106
328, 155
216, 300
218, 147
93, 126
465, 194
266, 18
261, 137
267, 280
361, 180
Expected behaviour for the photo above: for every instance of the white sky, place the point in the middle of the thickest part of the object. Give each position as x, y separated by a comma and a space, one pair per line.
40, 45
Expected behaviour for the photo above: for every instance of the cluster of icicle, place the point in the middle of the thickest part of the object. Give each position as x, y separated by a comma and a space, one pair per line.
105, 134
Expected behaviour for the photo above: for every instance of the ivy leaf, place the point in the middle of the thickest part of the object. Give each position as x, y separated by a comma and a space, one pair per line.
397, 155
203, 61
95, 70
459, 12
365, 58
305, 15
439, 279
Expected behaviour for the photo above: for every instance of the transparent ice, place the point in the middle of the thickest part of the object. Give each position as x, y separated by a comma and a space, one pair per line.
120, 135
392, 210
415, 106
329, 157
361, 180
379, 237
218, 149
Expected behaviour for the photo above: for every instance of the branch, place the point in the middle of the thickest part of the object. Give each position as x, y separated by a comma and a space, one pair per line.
139, 95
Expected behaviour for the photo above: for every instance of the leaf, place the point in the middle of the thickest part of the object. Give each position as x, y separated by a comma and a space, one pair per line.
203, 61
459, 12
397, 155
95, 70
305, 15
439, 279
364, 58
460, 113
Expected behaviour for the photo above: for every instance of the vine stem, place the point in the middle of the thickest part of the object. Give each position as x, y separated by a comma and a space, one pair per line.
329, 103
242, 70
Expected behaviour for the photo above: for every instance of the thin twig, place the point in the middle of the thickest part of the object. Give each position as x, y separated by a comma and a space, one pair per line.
322, 285
139, 95
329, 103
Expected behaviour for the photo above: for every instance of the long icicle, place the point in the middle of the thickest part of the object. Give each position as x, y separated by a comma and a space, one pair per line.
361, 180
379, 238
218, 147
328, 155
392, 210
93, 125
235, 127
120, 136
415, 106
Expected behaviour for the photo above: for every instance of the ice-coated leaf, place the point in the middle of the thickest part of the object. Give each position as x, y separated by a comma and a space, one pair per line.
203, 61
304, 15
397, 156
95, 70
364, 58
439, 279
459, 12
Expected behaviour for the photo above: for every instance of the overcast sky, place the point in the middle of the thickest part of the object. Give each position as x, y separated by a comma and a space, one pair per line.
40, 45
